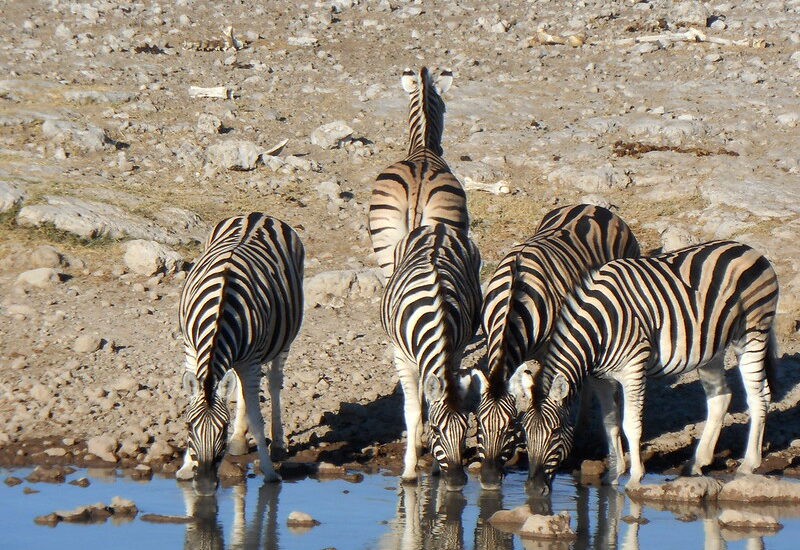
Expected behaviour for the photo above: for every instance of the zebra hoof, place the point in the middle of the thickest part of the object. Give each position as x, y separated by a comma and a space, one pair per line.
406, 480
238, 447
272, 477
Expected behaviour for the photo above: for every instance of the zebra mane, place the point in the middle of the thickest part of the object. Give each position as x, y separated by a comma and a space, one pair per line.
425, 113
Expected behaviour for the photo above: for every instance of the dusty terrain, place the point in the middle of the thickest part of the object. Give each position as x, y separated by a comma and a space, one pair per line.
687, 141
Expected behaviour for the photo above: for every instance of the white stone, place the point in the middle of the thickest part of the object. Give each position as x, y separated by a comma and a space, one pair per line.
208, 124
149, 257
11, 194
46, 256
85, 136
41, 393
791, 119
41, 277
758, 488
764, 198
601, 178
85, 97
688, 12
300, 519
234, 154
547, 527
322, 287
88, 343
125, 382
331, 135
675, 237
103, 447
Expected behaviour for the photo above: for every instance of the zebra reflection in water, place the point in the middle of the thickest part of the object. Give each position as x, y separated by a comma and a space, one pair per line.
206, 532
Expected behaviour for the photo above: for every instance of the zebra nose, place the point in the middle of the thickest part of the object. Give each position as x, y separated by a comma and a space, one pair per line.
537, 482
455, 478
491, 475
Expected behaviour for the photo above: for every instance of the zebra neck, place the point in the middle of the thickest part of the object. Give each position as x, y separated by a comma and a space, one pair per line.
425, 119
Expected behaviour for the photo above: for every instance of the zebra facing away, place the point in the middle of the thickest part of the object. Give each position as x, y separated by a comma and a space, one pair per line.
521, 305
430, 310
240, 308
419, 190
655, 316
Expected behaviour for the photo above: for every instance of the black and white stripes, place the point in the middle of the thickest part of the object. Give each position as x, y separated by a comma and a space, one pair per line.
240, 308
419, 190
667, 314
430, 310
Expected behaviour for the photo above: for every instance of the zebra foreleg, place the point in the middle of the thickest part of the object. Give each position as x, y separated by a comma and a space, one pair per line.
633, 392
250, 382
752, 363
275, 379
606, 391
412, 408
718, 397
238, 443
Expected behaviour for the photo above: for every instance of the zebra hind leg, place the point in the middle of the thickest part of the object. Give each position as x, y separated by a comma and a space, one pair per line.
275, 379
633, 392
255, 421
718, 397
238, 443
412, 408
752, 364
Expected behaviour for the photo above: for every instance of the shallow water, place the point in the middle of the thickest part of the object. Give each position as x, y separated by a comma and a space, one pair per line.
374, 514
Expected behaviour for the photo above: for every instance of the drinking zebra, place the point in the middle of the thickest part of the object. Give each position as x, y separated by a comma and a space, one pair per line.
240, 308
522, 300
430, 310
419, 190
666, 314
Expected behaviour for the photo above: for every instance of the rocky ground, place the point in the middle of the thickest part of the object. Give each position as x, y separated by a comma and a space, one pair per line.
113, 166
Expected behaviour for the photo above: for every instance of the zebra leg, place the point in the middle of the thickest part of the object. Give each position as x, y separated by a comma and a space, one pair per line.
250, 382
186, 471
606, 391
412, 408
718, 397
633, 392
752, 364
238, 443
275, 379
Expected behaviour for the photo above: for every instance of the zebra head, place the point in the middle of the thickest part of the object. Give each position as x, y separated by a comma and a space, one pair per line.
547, 425
497, 434
207, 417
448, 427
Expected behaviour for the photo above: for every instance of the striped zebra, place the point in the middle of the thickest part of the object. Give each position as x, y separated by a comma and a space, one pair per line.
655, 316
521, 304
240, 308
430, 310
419, 190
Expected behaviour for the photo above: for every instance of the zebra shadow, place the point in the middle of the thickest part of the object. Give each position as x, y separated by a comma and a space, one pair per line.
674, 402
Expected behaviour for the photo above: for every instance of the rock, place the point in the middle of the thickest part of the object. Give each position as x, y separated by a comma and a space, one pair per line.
87, 97
300, 519
331, 135
55, 451
149, 257
20, 311
123, 507
41, 277
369, 284
601, 178
233, 154
47, 519
516, 516
92, 220
103, 447
11, 194
791, 119
735, 519
323, 287
159, 450
593, 468
186, 222
88, 343
230, 472
86, 136
41, 393
683, 489
12, 481
208, 124
325, 469
597, 200
675, 237
162, 518
126, 383
688, 13
82, 482
757, 488
763, 198
548, 527
47, 475
46, 256
84, 514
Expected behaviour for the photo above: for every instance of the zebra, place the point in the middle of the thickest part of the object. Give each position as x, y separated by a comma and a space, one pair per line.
419, 190
654, 316
240, 308
521, 304
431, 309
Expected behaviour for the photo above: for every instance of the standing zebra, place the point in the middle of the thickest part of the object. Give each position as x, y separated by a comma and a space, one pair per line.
240, 308
430, 310
419, 190
666, 314
521, 305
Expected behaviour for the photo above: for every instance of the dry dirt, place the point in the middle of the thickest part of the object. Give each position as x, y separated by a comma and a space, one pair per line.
685, 141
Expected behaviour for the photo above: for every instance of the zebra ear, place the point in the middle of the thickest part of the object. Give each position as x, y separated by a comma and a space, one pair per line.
444, 81
190, 383
520, 385
409, 80
227, 384
479, 379
433, 388
559, 389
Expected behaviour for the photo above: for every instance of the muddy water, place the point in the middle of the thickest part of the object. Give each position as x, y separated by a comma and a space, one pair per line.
374, 514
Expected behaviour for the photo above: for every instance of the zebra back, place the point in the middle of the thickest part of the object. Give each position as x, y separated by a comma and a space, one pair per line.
687, 305
431, 304
419, 190
242, 303
531, 283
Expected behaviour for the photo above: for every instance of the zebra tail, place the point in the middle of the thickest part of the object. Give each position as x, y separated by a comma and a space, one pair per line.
770, 365
498, 373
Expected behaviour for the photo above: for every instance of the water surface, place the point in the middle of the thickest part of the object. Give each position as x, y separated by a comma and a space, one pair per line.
375, 514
